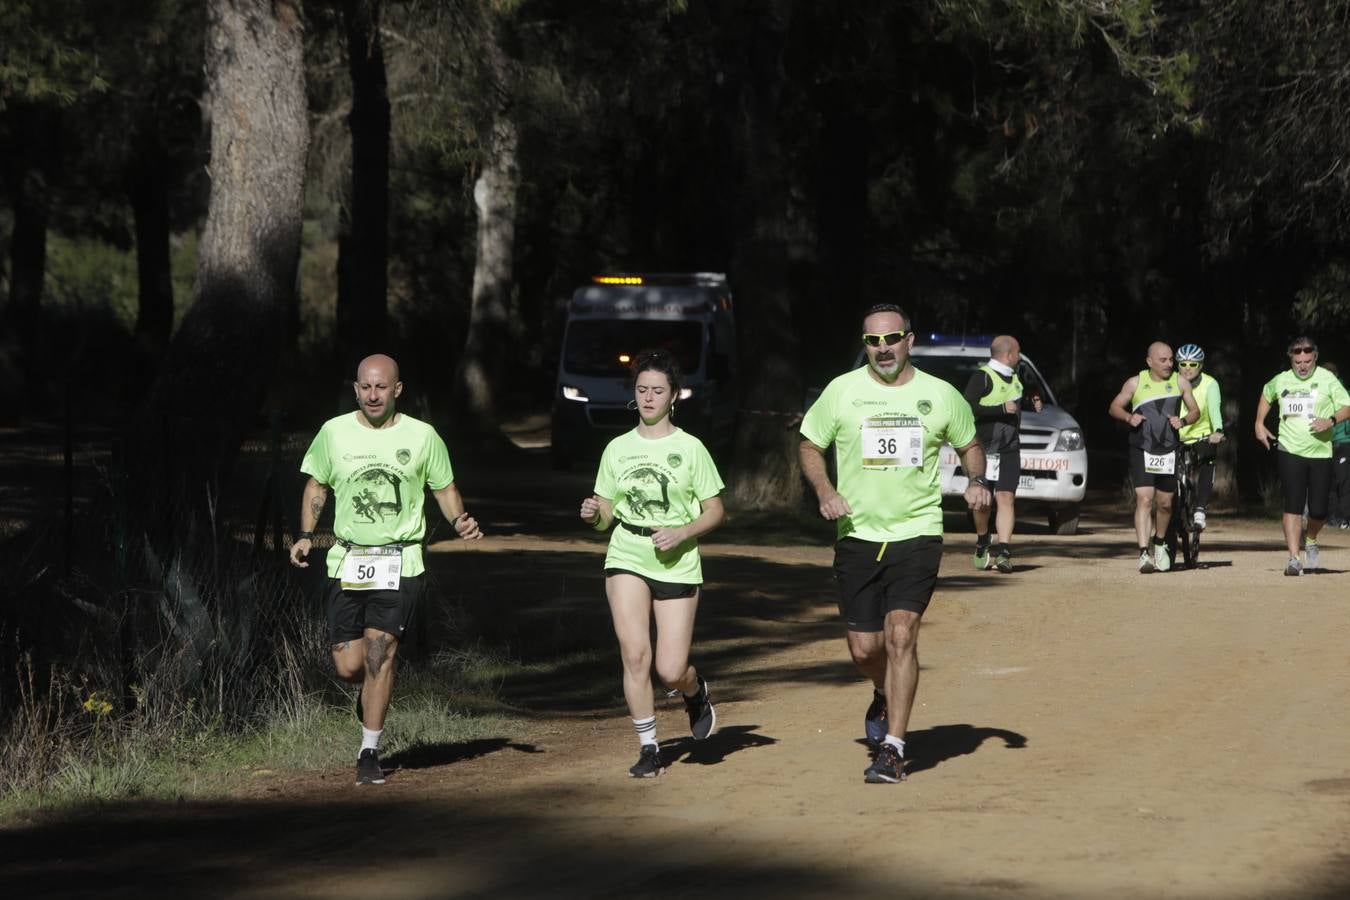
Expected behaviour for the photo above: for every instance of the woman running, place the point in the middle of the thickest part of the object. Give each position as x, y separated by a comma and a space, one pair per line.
1310, 402
659, 486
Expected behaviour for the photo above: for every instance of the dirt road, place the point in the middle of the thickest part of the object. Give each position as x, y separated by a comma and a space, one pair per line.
1081, 731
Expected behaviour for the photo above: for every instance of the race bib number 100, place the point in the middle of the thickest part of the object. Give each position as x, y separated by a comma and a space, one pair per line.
890, 441
1299, 404
1160, 463
372, 569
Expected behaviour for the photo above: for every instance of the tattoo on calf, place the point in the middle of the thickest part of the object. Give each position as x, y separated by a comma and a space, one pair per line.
377, 653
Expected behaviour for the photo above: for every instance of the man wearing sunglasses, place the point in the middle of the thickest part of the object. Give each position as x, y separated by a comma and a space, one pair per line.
1206, 433
1155, 398
1310, 402
887, 422
995, 395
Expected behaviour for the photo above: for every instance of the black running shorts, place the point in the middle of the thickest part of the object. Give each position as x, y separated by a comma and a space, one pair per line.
874, 579
1165, 483
1009, 470
350, 613
1305, 481
661, 590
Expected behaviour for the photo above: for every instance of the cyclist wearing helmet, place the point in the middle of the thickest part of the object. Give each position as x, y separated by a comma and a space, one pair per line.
1154, 403
1206, 432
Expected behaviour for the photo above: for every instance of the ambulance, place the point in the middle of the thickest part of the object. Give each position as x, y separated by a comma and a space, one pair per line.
613, 319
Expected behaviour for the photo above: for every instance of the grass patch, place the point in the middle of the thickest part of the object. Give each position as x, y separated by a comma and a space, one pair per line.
96, 758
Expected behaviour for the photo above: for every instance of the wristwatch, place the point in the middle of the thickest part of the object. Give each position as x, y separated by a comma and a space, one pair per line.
982, 482
304, 535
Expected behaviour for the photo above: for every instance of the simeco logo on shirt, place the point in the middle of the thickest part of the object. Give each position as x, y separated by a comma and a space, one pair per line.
379, 493
869, 402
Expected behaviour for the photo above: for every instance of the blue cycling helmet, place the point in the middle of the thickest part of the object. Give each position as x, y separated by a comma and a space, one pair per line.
1190, 353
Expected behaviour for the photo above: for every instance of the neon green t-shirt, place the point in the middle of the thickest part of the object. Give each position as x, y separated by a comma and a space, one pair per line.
656, 483
378, 476
1298, 401
886, 441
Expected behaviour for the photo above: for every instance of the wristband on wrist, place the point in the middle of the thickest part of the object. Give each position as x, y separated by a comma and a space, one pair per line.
599, 523
304, 535
982, 482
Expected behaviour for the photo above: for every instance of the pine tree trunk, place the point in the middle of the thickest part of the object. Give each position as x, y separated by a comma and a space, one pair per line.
764, 474
363, 245
225, 352
148, 190
494, 194
28, 250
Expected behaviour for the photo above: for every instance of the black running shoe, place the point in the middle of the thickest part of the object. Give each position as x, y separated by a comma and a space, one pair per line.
887, 768
874, 721
368, 769
648, 764
702, 716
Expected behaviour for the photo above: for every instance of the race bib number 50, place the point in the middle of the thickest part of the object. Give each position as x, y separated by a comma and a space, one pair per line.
372, 569
890, 441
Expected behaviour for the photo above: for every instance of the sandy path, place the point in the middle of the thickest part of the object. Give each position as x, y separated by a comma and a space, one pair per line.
1081, 731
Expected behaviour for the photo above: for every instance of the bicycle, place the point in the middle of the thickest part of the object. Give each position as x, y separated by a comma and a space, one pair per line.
1182, 533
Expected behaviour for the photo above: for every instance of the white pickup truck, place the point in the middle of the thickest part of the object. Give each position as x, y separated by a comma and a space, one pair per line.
1054, 457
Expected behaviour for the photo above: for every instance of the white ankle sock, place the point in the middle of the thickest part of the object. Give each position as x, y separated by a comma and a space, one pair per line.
370, 740
897, 743
646, 730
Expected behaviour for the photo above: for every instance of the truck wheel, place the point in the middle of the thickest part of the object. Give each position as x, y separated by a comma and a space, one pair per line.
1064, 519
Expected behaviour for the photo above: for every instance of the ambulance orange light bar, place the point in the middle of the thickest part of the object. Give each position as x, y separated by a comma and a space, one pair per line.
617, 279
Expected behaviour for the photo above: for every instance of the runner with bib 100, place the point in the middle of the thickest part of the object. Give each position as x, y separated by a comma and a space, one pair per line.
1154, 397
1309, 401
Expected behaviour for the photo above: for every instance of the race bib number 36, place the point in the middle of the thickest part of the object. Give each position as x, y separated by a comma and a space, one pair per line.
1299, 404
1160, 463
372, 569
890, 441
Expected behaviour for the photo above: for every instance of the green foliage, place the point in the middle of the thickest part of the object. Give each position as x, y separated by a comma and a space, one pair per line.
88, 275
1322, 304
49, 53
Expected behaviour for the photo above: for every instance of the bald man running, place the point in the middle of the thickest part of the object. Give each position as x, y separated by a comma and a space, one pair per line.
379, 461
1154, 399
995, 396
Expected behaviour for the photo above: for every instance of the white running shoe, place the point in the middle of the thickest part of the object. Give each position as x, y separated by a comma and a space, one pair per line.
1311, 558
1200, 519
1161, 561
1145, 562
1294, 567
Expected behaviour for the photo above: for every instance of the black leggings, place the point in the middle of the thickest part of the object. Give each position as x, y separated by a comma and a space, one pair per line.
1206, 459
1306, 481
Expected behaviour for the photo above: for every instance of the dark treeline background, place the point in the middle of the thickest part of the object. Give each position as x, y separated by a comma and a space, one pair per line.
211, 209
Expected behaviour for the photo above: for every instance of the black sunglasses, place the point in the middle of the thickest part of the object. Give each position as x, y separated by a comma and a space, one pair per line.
889, 339
1293, 350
